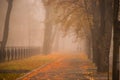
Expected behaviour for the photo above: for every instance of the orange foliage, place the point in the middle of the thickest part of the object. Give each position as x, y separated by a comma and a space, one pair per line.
64, 64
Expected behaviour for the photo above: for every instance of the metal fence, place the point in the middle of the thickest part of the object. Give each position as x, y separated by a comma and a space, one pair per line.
14, 53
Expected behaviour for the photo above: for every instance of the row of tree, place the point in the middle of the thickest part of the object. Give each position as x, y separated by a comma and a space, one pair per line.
94, 19
90, 18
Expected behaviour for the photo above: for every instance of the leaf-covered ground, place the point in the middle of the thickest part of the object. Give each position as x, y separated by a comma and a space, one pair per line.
14, 68
67, 67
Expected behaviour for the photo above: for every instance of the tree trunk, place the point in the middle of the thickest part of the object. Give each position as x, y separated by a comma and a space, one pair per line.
47, 45
116, 42
94, 30
47, 38
105, 35
101, 34
7, 22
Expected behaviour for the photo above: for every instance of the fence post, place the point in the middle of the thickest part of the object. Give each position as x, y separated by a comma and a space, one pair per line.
21, 53
24, 53
15, 53
8, 54
4, 55
0, 55
12, 52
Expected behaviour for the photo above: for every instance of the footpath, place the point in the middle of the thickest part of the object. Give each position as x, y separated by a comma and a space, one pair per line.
68, 67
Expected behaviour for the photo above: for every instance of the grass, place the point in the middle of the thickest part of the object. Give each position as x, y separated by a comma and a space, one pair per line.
24, 64
9, 76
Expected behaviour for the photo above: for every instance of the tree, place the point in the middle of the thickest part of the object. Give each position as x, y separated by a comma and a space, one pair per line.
95, 29
101, 31
106, 33
49, 22
48, 30
116, 41
6, 26
74, 14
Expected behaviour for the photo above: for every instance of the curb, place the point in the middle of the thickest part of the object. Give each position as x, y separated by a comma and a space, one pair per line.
36, 69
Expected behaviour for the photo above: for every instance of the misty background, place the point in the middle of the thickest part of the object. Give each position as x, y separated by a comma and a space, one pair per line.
27, 23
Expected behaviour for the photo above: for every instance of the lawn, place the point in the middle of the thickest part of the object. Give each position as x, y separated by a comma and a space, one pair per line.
24, 64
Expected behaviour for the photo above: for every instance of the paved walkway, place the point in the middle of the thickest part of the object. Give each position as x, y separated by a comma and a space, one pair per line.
68, 67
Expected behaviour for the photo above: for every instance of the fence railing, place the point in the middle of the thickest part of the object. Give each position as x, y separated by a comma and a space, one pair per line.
14, 53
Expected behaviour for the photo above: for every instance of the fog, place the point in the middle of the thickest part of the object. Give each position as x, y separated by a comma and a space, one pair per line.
40, 27
27, 24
